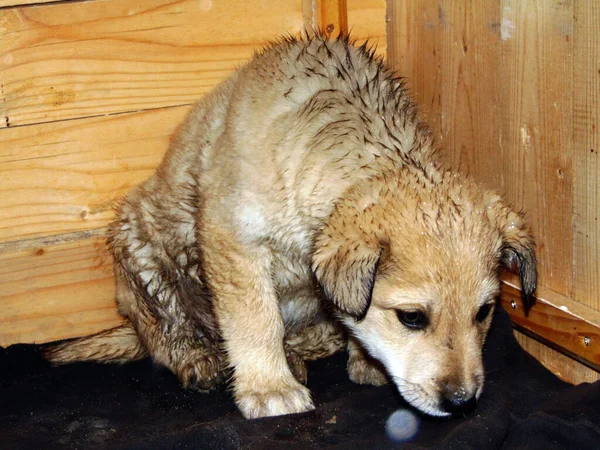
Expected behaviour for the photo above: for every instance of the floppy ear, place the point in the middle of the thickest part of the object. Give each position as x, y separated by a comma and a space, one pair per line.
345, 268
518, 253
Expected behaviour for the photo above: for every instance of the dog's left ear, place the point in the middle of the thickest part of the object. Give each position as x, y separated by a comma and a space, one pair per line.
518, 252
345, 264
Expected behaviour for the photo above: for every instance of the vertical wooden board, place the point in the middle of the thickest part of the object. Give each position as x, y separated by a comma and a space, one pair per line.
536, 126
560, 365
56, 292
413, 48
363, 19
80, 59
331, 16
367, 20
449, 52
65, 177
586, 146
537, 75
494, 80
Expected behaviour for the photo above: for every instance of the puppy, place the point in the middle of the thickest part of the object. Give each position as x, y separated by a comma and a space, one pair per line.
303, 201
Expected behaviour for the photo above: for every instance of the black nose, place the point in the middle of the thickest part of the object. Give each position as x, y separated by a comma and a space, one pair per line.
458, 404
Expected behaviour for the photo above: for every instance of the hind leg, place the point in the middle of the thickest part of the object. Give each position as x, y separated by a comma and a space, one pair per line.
313, 342
363, 369
159, 289
173, 340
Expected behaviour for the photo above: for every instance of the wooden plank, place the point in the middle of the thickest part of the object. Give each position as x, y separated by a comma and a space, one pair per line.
367, 21
82, 59
332, 16
560, 365
56, 292
449, 53
495, 85
64, 177
363, 19
9, 3
586, 146
568, 326
511, 90
537, 69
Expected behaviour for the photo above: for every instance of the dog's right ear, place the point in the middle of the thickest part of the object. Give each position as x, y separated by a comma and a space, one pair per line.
345, 265
517, 252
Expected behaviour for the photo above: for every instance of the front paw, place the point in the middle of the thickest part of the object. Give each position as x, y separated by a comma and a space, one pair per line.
287, 398
366, 371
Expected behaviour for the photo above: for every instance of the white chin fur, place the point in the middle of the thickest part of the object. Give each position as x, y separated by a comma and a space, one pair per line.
421, 402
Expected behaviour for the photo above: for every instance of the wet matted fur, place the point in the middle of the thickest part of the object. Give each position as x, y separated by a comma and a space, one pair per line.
303, 201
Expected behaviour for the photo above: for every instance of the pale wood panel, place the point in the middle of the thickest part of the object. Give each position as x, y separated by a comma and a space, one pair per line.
367, 20
7, 3
511, 89
560, 365
56, 292
81, 59
537, 73
496, 93
330, 16
363, 19
586, 145
449, 53
64, 177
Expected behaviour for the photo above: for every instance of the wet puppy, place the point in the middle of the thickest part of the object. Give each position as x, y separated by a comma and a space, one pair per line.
302, 202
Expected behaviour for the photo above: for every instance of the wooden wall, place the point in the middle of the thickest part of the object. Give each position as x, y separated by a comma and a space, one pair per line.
512, 90
90, 93
92, 90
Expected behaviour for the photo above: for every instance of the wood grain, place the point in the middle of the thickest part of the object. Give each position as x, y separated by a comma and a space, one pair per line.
331, 16
449, 54
586, 146
64, 177
495, 92
512, 91
564, 367
537, 134
82, 59
363, 19
8, 3
367, 20
56, 292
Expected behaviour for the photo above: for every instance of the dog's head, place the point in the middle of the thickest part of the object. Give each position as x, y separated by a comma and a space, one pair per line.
412, 268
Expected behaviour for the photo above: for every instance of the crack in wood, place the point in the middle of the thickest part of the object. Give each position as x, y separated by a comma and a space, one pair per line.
27, 244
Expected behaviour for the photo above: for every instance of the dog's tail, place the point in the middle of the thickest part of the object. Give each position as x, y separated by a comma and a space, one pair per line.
117, 345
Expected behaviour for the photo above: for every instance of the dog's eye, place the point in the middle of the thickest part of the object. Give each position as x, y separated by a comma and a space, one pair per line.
415, 320
483, 312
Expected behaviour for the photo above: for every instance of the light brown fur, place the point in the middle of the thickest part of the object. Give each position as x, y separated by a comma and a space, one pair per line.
302, 194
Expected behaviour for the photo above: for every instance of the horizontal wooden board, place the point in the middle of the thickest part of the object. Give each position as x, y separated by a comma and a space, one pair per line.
81, 59
63, 177
558, 321
561, 365
56, 292
8, 3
